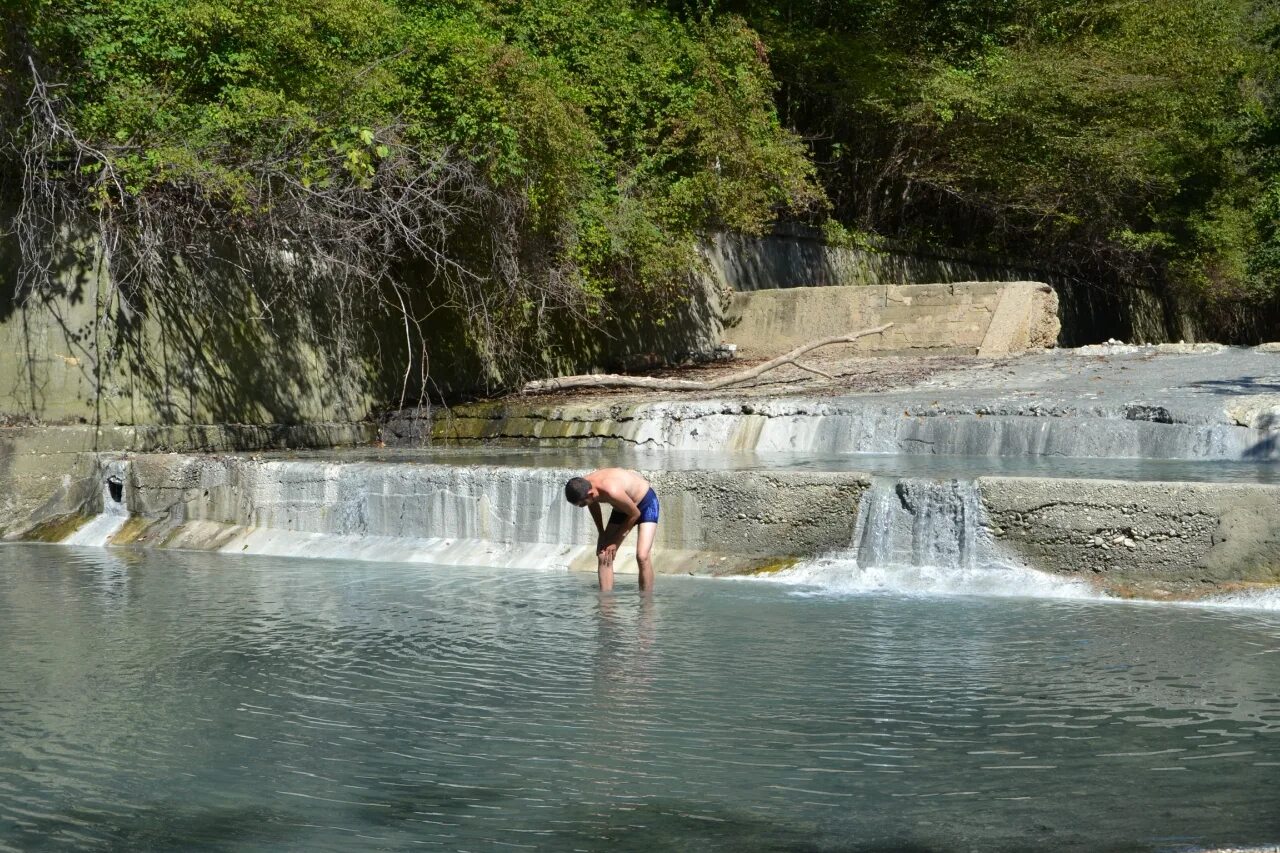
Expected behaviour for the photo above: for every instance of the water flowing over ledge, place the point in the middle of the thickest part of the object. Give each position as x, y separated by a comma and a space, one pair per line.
836, 427
839, 530
1107, 403
919, 536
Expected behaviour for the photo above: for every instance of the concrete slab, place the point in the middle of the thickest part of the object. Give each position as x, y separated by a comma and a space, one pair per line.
990, 318
1170, 537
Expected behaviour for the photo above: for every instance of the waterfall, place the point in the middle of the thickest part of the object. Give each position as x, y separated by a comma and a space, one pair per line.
852, 426
921, 522
115, 508
446, 514
919, 536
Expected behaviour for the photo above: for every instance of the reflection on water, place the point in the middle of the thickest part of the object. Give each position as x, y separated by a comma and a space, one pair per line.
192, 701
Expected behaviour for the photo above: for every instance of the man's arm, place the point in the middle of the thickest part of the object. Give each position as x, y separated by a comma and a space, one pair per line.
599, 519
623, 503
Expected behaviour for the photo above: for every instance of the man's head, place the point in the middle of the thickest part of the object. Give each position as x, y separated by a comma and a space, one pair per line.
578, 491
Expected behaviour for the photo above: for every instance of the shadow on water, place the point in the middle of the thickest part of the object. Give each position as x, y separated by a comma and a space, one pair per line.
409, 801
654, 825
160, 827
1241, 385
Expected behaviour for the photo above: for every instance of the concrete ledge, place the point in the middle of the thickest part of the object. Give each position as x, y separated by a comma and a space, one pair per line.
1169, 537
48, 473
712, 521
991, 318
1126, 538
866, 425
1026, 317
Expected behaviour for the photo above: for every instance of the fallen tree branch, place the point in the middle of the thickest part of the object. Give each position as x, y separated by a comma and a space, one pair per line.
811, 369
615, 380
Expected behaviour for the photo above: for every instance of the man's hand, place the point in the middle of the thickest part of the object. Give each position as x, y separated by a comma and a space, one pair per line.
606, 550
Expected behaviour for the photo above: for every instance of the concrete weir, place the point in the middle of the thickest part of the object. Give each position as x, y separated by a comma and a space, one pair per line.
712, 521
1182, 402
1149, 536
861, 426
1182, 539
760, 481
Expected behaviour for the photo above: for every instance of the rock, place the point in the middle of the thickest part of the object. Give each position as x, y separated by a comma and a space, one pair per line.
1151, 414
1111, 347
1274, 346
1187, 349
1256, 411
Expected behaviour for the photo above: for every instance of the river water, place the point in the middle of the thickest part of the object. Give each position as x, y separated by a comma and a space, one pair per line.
191, 701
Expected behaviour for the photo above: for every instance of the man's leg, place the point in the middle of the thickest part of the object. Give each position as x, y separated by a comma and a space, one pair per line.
604, 571
644, 547
604, 558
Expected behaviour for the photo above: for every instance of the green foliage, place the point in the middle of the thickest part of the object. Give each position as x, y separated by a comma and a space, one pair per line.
1124, 140
557, 96
610, 131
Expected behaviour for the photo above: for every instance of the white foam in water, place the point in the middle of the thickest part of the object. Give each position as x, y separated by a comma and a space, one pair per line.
1258, 599
841, 575
919, 536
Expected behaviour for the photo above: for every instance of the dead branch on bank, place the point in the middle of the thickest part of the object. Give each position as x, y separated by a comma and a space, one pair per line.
614, 380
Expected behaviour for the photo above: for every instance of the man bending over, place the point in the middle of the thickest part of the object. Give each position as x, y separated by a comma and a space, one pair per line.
634, 503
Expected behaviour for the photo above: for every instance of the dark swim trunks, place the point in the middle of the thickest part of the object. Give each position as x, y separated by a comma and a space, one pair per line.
648, 507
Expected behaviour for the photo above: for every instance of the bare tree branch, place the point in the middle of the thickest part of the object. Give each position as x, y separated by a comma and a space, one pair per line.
613, 380
303, 245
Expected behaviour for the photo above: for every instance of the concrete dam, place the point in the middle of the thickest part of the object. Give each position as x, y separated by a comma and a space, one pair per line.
1121, 469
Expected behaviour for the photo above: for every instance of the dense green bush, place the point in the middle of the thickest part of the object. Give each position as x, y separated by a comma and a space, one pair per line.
1131, 141
532, 157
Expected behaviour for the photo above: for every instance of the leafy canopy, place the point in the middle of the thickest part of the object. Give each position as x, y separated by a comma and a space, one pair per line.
610, 132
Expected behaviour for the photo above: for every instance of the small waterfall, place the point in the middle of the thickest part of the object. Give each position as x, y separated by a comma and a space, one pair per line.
843, 426
448, 514
115, 508
919, 522
919, 536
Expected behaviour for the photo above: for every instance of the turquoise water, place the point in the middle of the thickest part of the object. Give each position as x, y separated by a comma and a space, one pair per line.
198, 702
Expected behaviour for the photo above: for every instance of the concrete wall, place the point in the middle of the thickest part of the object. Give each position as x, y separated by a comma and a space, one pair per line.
800, 258
227, 348
50, 475
1152, 537
1090, 311
212, 352
991, 318
712, 521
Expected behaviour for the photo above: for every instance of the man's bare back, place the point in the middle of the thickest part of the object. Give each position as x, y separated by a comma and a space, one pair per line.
634, 504
615, 482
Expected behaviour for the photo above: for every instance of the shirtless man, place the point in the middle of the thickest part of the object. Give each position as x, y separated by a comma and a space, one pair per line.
634, 503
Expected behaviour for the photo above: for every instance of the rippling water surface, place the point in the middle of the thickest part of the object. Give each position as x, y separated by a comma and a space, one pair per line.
192, 701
